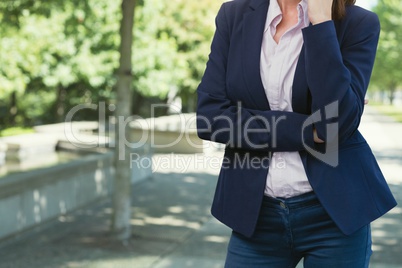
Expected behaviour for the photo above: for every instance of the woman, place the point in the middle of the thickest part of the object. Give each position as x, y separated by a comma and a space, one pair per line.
284, 89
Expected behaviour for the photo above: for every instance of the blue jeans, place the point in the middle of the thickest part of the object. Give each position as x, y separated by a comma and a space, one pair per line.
295, 228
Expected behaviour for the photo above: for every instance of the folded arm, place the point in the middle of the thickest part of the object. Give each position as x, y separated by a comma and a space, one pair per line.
221, 120
340, 74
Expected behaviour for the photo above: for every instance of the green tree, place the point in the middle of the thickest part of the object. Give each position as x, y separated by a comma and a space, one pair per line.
63, 53
387, 75
122, 187
58, 54
191, 25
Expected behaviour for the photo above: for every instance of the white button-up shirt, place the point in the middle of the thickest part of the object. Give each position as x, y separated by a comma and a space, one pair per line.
286, 176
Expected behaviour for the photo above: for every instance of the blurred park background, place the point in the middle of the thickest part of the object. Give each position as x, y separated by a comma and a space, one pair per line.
56, 54
60, 56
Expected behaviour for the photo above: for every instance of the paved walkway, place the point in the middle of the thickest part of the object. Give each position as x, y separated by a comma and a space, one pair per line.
384, 136
172, 226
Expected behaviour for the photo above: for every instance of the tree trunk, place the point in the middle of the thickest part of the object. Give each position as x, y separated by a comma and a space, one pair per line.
391, 93
13, 109
61, 104
137, 100
121, 217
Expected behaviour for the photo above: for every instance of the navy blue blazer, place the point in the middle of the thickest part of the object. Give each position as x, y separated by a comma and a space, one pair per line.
334, 67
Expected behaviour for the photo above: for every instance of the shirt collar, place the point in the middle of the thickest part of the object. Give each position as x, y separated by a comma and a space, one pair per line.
275, 14
303, 13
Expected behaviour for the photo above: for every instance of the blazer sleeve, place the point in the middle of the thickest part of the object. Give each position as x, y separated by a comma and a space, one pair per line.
221, 120
339, 74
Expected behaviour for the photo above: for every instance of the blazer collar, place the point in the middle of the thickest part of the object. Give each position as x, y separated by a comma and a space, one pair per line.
254, 4
252, 34
301, 99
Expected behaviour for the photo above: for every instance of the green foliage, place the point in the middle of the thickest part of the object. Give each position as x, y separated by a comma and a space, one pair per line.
387, 75
57, 54
73, 47
171, 45
15, 131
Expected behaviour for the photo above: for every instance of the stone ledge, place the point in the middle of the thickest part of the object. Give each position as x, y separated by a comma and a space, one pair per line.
168, 134
22, 147
28, 199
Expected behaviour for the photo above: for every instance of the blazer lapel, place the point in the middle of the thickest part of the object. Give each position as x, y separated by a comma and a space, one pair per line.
301, 100
252, 34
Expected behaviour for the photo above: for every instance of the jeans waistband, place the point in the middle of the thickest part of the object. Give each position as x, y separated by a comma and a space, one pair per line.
299, 201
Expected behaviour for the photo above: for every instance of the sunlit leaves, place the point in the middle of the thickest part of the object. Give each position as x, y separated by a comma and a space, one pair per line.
48, 45
387, 73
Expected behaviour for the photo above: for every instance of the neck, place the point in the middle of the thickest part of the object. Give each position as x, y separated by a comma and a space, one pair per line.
288, 5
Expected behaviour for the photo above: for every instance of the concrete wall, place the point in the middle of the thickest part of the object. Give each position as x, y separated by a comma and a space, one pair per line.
31, 198
168, 134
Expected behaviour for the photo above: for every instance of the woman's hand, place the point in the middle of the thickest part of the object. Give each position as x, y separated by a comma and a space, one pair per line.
316, 139
319, 10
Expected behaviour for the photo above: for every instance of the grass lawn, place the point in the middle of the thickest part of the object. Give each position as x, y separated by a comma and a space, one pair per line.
390, 110
15, 131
